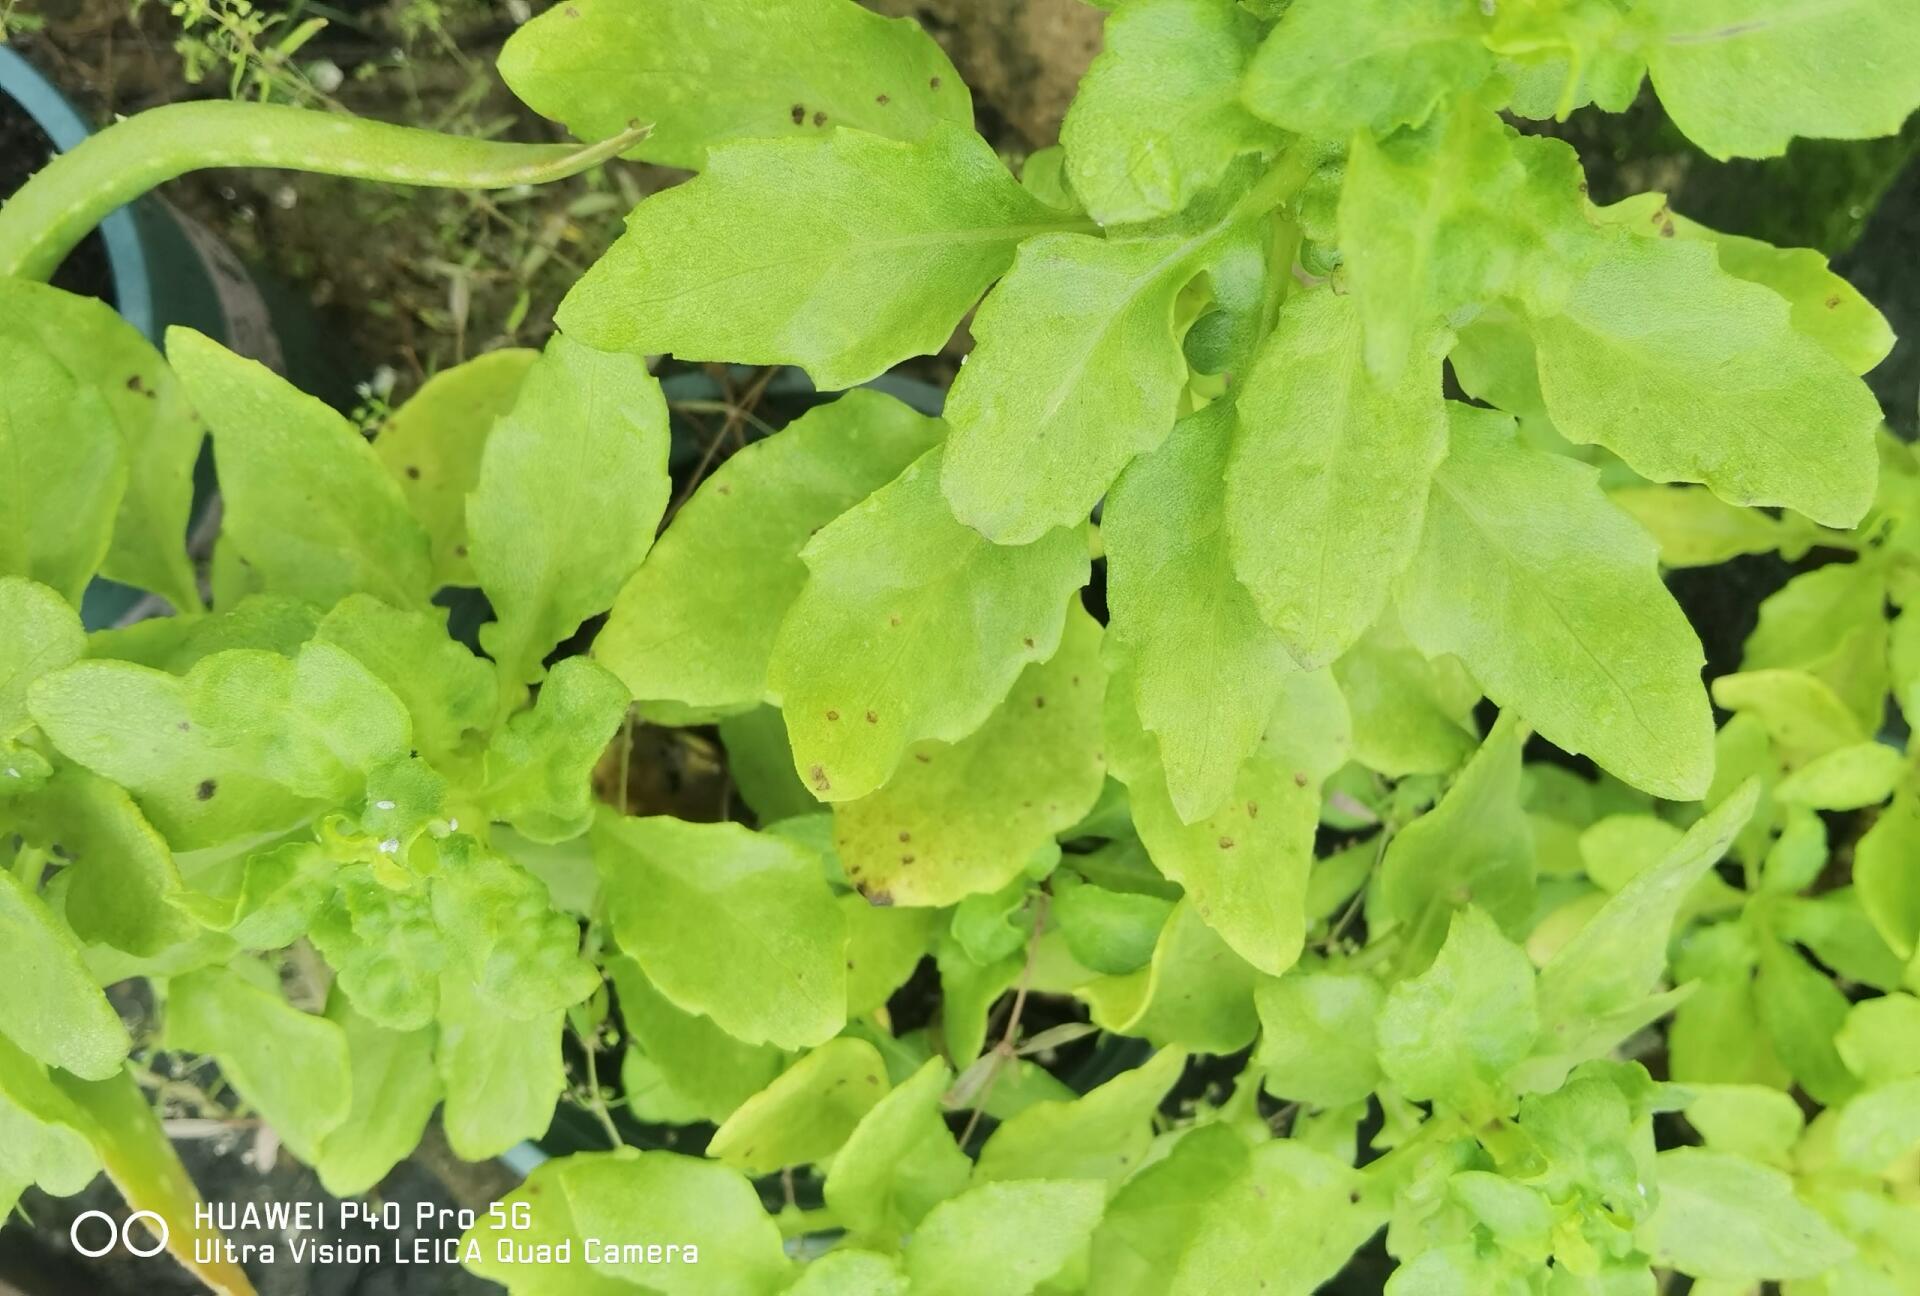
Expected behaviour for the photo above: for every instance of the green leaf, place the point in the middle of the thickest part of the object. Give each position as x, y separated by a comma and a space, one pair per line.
120, 876
1614, 962
1550, 597
910, 627
1746, 1120
1003, 1239
291, 1066
699, 1062
1107, 931
1103, 1134
1880, 1040
42, 635
500, 927
49, 1006
1802, 1010
1722, 1216
1317, 1036
1830, 622
502, 1075
884, 946
1411, 714
571, 489
158, 432
1883, 872
432, 446
273, 622
806, 1114
1451, 215
1451, 1033
696, 623
1329, 473
66, 469
1205, 670
1620, 361
1474, 847
1825, 306
899, 1161
902, 240
851, 1273
1333, 67
1077, 340
1246, 864
1696, 528
1157, 118
599, 66
1847, 778
384, 947
629, 1195
1215, 1216
308, 506
394, 1089
738, 925
760, 760
538, 766
448, 692
1802, 714
964, 819
1743, 78
1196, 994
43, 1135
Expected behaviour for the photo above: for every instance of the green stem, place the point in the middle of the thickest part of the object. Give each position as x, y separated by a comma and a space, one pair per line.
54, 210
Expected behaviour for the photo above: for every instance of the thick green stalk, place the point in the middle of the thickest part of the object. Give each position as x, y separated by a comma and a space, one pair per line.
54, 210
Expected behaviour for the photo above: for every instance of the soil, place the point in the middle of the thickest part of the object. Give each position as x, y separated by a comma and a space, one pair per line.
24, 149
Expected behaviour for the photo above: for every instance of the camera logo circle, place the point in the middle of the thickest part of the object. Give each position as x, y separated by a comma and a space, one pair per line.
118, 1234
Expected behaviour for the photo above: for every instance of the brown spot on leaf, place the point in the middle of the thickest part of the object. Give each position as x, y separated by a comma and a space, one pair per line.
799, 112
833, 715
183, 726
906, 859
1667, 230
1226, 843
1253, 809
1833, 302
905, 836
724, 489
873, 718
894, 619
1028, 641
882, 100
922, 757
879, 899
413, 473
819, 119
819, 776
206, 789
1299, 778
933, 83
459, 551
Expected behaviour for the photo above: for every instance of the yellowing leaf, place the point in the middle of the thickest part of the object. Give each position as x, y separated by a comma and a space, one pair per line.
807, 1113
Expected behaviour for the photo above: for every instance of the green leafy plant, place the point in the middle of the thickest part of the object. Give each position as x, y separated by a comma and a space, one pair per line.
1345, 956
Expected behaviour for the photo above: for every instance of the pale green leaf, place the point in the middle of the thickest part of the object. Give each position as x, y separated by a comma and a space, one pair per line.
964, 819
1802, 1010
159, 433
1885, 876
883, 948
1881, 1038
1620, 361
806, 1114
66, 469
899, 1161
42, 634
1317, 1036
1743, 78
600, 65
1722, 1216
1195, 994
448, 692
49, 1006
1451, 1033
499, 926
501, 1075
1205, 670
1474, 847
571, 488
1825, 306
538, 767
432, 445
910, 627
1411, 714
43, 1134
1075, 370
843, 254
307, 505
1696, 528
1801, 712
1333, 67
851, 1273
696, 624
1549, 595
702, 1064
1103, 1134
395, 1090
1003, 1239
1747, 1120
291, 1066
1847, 778
1157, 118
737, 925
1329, 476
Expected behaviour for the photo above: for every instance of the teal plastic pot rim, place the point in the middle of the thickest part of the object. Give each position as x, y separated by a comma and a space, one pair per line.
62, 123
